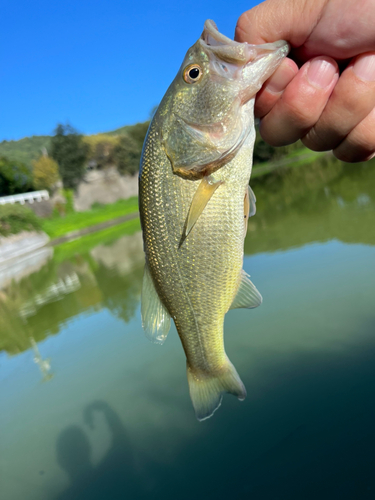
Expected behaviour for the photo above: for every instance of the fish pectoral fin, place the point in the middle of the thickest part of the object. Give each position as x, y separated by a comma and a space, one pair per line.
249, 206
202, 196
156, 320
247, 296
252, 202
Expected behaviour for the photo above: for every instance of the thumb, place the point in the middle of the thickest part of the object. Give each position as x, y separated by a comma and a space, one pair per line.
272, 20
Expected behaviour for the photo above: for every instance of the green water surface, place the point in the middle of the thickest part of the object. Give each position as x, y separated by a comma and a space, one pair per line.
91, 410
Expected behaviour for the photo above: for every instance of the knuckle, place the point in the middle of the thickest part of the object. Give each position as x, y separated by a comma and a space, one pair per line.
314, 141
299, 114
286, 123
242, 25
346, 156
276, 134
351, 151
264, 103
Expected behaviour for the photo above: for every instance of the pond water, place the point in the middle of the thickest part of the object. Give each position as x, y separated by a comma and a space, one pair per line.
91, 410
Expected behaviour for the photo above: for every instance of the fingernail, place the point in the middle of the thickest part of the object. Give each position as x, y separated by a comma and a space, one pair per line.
280, 79
321, 72
364, 67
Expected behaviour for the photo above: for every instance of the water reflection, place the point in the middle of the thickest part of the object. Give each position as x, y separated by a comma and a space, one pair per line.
325, 200
115, 421
115, 475
43, 364
316, 203
41, 304
307, 435
17, 269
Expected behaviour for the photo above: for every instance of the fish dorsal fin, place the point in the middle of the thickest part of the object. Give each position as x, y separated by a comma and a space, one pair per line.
247, 296
202, 196
156, 320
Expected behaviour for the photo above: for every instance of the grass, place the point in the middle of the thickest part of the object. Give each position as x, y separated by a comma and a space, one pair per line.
104, 237
295, 158
73, 221
16, 218
60, 225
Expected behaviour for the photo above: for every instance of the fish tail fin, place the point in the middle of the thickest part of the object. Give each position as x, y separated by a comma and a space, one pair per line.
207, 389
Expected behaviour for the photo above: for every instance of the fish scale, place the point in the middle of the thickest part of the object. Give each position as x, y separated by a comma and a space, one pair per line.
202, 276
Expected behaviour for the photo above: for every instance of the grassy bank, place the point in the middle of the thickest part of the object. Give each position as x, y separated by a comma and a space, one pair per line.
16, 218
73, 221
20, 218
105, 237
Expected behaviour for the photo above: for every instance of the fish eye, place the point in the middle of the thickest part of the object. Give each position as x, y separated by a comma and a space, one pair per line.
192, 73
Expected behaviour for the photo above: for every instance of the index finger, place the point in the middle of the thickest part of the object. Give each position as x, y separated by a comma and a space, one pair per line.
279, 20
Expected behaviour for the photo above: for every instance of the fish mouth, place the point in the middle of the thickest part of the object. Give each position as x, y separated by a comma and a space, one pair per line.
239, 54
249, 65
223, 47
212, 36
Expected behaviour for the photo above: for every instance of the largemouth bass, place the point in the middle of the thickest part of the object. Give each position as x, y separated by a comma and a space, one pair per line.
194, 201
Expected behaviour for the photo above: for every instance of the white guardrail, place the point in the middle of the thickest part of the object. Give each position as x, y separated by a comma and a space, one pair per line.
22, 198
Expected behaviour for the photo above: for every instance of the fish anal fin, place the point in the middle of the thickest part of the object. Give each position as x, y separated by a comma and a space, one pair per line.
207, 389
202, 196
156, 320
247, 296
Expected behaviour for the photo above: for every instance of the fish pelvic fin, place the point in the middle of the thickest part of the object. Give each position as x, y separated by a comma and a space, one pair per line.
156, 320
207, 389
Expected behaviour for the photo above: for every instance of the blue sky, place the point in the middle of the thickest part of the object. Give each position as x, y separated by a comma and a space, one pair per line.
97, 64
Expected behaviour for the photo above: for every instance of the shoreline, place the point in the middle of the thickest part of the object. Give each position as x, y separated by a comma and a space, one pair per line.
74, 235
14, 247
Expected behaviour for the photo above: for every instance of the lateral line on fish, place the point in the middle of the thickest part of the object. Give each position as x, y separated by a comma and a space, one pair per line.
173, 254
200, 344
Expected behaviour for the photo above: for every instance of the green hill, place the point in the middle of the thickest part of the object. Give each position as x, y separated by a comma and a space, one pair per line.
30, 148
119, 131
25, 150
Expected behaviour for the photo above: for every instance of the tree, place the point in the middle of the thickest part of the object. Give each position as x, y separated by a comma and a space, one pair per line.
70, 153
127, 155
138, 132
262, 150
15, 177
45, 173
101, 148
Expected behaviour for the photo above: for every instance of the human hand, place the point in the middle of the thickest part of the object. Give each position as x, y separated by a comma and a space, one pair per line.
308, 98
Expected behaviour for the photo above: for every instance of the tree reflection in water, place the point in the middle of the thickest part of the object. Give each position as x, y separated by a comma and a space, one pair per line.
108, 277
306, 430
311, 204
